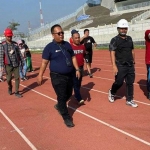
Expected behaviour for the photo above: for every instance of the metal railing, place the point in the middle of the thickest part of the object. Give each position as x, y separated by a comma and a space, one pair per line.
142, 16
138, 5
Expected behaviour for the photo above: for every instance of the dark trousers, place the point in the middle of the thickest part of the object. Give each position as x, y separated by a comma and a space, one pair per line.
77, 84
63, 86
148, 77
126, 73
9, 71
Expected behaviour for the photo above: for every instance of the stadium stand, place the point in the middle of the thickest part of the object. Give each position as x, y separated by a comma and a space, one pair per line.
102, 21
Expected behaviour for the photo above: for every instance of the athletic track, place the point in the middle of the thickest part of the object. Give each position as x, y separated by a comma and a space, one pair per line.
32, 123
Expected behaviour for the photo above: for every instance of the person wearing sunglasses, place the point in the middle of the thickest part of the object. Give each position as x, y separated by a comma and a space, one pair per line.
122, 56
62, 62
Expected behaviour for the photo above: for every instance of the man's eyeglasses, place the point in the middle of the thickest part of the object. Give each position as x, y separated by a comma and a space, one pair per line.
59, 33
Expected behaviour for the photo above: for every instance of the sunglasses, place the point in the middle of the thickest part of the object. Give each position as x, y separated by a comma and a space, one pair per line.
59, 33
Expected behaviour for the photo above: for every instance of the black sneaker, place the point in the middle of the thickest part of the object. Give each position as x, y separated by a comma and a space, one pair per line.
69, 123
90, 75
9, 91
148, 95
56, 107
17, 94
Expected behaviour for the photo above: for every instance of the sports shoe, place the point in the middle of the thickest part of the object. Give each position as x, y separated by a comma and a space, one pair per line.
148, 95
69, 123
110, 96
17, 94
81, 102
1, 80
22, 79
90, 75
9, 91
56, 107
25, 78
132, 103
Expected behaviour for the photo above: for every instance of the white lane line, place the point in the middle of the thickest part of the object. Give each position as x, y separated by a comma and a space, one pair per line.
107, 71
113, 80
135, 72
111, 65
84, 87
109, 61
96, 119
19, 132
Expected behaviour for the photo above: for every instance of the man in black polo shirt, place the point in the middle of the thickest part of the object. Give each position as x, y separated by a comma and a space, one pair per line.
88, 42
62, 61
122, 57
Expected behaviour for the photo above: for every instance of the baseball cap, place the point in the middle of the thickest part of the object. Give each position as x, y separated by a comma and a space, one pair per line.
74, 31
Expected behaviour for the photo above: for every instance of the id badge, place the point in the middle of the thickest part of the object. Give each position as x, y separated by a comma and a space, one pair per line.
11, 52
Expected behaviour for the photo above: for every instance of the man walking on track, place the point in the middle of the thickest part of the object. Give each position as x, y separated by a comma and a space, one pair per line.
147, 60
88, 42
62, 61
10, 56
123, 60
79, 51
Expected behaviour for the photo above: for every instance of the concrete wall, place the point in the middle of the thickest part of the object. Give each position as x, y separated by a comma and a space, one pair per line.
108, 3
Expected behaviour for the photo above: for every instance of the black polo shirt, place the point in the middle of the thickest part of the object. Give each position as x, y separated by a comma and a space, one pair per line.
122, 47
57, 55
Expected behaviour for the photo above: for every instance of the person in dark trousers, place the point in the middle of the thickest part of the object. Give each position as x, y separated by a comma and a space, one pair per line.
10, 56
88, 42
28, 57
22, 69
123, 60
79, 51
147, 60
62, 62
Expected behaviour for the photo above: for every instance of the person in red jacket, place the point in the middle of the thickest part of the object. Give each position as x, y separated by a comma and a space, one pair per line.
147, 60
79, 51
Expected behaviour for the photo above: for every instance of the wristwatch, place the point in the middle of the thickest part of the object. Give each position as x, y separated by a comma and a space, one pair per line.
78, 70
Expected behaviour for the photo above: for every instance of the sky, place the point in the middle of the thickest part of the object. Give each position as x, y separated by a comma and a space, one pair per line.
24, 11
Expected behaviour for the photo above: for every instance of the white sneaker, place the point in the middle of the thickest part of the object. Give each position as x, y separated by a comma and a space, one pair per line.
81, 102
110, 96
132, 103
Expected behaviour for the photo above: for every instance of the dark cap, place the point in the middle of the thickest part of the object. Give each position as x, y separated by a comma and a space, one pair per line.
74, 31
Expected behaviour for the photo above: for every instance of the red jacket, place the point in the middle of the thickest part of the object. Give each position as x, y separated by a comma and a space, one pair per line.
147, 43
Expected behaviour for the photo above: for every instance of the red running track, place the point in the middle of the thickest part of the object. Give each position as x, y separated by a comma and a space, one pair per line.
32, 122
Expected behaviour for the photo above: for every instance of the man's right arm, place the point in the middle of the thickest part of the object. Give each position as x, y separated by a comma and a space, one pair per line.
42, 70
112, 48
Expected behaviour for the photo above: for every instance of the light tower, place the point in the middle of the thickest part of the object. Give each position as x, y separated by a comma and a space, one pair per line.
41, 15
29, 26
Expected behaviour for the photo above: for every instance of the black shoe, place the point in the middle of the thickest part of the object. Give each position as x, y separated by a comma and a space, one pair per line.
69, 123
18, 95
90, 75
148, 95
56, 107
9, 91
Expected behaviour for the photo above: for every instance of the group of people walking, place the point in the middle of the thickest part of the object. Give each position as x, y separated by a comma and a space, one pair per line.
67, 63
